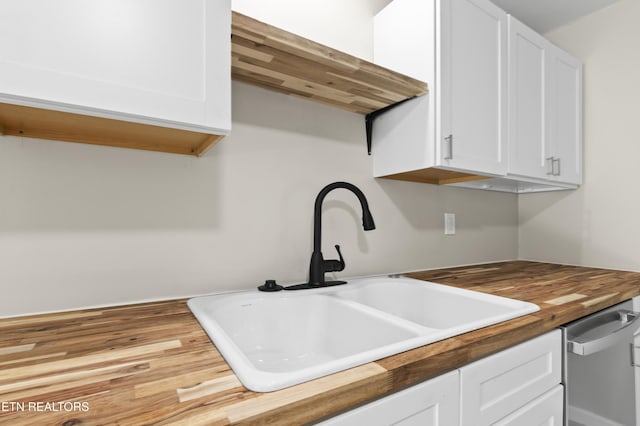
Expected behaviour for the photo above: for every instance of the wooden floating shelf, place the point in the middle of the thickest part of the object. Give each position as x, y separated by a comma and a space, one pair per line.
17, 120
275, 59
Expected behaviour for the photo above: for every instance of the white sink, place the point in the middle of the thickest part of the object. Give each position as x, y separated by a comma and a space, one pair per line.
433, 305
276, 340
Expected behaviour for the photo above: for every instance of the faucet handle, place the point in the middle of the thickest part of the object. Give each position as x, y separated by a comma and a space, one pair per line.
334, 265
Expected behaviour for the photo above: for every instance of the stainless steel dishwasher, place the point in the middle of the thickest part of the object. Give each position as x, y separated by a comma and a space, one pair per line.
602, 353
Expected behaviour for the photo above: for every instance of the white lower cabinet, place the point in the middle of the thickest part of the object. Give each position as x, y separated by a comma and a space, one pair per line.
519, 386
495, 386
545, 410
432, 403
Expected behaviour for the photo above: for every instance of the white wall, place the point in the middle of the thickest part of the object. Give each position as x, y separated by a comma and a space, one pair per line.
598, 224
344, 25
84, 226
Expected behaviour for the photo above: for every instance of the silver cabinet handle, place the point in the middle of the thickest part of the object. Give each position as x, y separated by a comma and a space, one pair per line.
554, 164
551, 161
634, 363
557, 161
598, 332
449, 141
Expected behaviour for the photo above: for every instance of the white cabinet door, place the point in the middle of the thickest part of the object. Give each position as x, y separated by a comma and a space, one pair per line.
527, 112
459, 48
496, 386
473, 86
546, 410
163, 62
503, 101
432, 403
565, 116
545, 108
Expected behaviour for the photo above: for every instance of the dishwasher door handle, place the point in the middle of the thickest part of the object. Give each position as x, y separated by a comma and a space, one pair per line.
600, 331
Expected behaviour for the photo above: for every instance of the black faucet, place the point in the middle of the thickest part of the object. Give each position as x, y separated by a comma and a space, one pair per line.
318, 266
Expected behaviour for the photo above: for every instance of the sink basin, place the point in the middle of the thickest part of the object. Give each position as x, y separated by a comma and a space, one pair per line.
434, 305
273, 341
276, 340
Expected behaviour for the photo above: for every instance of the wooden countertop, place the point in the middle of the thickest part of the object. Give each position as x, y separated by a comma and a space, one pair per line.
153, 364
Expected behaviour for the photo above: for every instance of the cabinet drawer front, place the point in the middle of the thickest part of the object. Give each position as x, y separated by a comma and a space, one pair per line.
432, 403
545, 410
497, 385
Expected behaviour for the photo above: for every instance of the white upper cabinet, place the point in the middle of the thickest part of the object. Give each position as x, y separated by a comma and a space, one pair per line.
528, 71
504, 110
545, 108
159, 62
565, 117
459, 48
473, 86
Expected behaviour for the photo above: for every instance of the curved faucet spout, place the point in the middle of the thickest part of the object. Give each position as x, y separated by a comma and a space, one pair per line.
318, 266
367, 219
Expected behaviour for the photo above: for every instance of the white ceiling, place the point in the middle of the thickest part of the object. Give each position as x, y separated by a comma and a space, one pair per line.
545, 15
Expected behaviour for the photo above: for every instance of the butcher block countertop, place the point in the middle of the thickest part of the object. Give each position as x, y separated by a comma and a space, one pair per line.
153, 364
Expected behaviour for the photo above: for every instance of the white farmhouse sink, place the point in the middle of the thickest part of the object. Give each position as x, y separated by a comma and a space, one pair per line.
276, 340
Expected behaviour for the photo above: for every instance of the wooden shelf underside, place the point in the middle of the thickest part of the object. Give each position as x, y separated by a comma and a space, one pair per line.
435, 176
275, 59
17, 120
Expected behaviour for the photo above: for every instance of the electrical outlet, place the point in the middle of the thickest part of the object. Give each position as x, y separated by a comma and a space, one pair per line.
449, 224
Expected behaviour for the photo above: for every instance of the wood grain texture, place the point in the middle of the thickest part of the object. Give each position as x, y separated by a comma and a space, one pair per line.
541, 283
277, 60
17, 120
435, 176
153, 364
